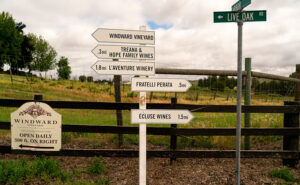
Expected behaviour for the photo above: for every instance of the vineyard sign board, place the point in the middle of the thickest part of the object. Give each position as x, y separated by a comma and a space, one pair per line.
124, 52
35, 126
161, 116
124, 36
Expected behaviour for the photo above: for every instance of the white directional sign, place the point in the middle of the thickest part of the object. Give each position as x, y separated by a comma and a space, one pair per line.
124, 52
159, 84
124, 68
124, 36
161, 116
36, 126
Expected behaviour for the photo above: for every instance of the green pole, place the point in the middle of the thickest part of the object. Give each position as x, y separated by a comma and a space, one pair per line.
247, 97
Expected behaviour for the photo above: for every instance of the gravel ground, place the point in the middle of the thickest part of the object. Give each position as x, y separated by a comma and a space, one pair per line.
182, 171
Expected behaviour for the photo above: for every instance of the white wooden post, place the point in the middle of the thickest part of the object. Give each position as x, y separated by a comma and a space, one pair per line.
142, 137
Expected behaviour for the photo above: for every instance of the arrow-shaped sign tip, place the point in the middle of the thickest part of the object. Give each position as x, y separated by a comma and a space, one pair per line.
191, 116
189, 85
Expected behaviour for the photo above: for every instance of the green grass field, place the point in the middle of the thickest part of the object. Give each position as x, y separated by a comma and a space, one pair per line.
77, 91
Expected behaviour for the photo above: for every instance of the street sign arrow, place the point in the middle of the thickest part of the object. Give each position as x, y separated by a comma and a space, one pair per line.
238, 6
124, 68
161, 116
246, 16
124, 52
124, 36
159, 84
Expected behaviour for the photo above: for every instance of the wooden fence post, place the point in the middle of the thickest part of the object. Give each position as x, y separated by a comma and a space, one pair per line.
297, 92
291, 142
117, 86
38, 97
173, 139
247, 97
292, 120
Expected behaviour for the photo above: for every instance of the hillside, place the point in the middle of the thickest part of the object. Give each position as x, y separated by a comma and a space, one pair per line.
70, 90
78, 91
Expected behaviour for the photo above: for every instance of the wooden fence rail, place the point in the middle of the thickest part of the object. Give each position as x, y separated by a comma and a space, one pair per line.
129, 106
159, 153
290, 132
222, 73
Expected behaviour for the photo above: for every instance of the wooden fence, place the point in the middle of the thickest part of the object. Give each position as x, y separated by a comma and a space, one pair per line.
290, 132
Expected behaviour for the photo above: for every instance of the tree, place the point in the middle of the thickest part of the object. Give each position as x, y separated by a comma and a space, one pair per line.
82, 78
27, 49
43, 54
90, 79
10, 40
64, 70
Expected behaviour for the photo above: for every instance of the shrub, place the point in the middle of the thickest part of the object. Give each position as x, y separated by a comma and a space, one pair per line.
13, 172
82, 78
130, 95
96, 166
102, 181
283, 173
90, 79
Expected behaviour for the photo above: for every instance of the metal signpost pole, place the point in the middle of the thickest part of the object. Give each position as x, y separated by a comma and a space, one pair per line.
239, 101
238, 15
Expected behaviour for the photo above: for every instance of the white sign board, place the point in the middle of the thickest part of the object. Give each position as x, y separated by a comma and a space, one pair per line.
124, 52
161, 116
159, 84
124, 68
124, 36
36, 126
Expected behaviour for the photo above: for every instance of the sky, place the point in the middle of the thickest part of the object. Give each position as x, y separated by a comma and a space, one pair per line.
186, 36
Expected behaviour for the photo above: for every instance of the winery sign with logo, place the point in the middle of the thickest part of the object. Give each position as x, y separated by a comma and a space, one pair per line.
36, 126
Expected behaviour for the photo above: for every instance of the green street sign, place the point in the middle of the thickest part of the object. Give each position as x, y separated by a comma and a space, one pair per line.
240, 5
246, 16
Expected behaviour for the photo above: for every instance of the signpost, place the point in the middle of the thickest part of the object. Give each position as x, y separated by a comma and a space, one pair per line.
124, 52
239, 17
238, 6
124, 36
140, 52
143, 68
35, 126
159, 84
246, 16
124, 68
161, 116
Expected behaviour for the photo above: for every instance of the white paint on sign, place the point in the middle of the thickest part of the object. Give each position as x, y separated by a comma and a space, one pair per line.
124, 52
237, 6
161, 116
159, 84
245, 16
124, 36
124, 68
36, 126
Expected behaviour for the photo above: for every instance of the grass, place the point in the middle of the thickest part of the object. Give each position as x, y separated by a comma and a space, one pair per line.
97, 167
77, 91
49, 171
283, 173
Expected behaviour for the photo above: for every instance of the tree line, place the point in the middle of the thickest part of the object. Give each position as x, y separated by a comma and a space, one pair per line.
27, 51
224, 83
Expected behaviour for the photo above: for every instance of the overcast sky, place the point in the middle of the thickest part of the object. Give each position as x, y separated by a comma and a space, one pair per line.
186, 36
